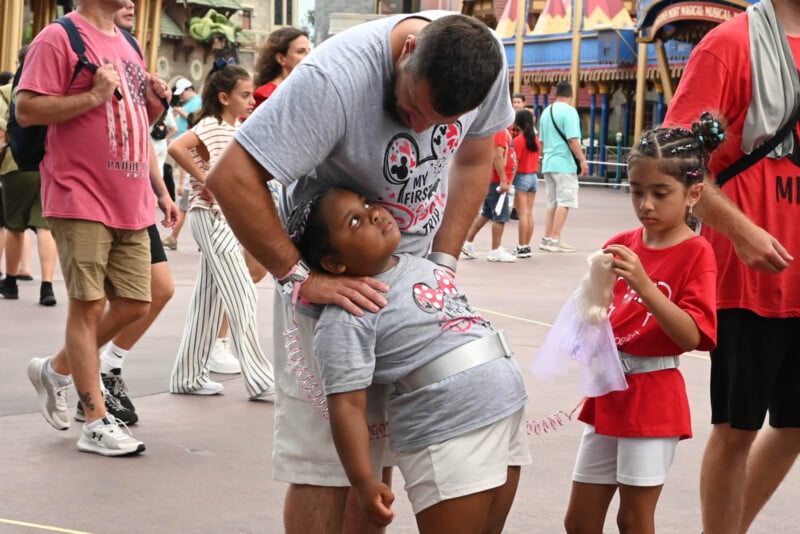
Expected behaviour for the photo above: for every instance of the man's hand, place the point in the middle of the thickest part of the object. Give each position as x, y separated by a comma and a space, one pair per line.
375, 498
105, 81
759, 250
584, 169
158, 88
353, 294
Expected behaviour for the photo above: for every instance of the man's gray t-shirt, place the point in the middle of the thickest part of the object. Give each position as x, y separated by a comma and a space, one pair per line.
329, 116
426, 317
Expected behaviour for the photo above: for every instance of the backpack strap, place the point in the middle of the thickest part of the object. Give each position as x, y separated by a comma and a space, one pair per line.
133, 43
76, 42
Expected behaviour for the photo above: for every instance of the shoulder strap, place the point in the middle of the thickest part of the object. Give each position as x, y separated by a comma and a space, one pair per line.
564, 137
132, 42
748, 160
76, 42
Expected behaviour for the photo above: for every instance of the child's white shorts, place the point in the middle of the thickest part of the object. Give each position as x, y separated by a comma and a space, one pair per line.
467, 464
630, 461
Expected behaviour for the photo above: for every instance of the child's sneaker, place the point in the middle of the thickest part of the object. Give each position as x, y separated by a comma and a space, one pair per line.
522, 252
468, 250
501, 255
107, 438
222, 359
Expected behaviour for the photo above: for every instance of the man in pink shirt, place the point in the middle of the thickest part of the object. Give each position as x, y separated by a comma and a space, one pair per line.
97, 195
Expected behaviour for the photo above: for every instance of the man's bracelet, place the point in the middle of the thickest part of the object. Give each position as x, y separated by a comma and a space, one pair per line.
444, 259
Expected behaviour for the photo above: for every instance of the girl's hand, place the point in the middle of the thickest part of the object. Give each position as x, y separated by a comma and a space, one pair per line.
376, 498
627, 265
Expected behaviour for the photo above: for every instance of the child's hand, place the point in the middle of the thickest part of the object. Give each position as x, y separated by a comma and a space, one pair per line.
376, 498
627, 265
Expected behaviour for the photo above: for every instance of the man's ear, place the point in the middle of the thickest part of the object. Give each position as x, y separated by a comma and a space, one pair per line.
330, 264
409, 44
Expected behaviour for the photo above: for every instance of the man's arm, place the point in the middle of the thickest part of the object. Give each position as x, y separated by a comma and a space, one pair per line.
499, 166
756, 247
470, 172
239, 184
37, 109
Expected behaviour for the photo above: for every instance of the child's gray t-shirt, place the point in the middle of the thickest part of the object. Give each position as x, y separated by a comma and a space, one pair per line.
425, 318
329, 116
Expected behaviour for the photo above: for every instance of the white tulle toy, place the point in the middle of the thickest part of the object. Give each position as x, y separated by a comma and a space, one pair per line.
581, 335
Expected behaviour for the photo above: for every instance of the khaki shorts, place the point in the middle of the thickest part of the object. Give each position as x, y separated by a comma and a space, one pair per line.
303, 451
562, 189
22, 201
470, 463
98, 261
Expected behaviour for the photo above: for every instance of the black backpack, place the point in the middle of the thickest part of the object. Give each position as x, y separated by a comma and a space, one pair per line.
27, 142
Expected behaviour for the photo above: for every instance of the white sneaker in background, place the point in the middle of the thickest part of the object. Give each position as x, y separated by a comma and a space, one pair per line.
468, 250
501, 255
545, 243
222, 359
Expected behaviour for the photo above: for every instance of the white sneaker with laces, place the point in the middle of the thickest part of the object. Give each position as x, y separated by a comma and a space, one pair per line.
109, 439
52, 395
222, 359
468, 250
501, 255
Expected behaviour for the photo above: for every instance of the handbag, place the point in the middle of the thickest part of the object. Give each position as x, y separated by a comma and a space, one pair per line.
564, 137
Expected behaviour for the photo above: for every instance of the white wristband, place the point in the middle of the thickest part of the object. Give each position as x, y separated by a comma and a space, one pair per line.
444, 259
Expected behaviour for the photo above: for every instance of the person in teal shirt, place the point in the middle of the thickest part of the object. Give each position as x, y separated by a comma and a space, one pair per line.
560, 133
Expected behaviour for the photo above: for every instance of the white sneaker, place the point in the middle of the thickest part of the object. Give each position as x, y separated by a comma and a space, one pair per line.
268, 395
556, 245
109, 439
222, 359
468, 250
502, 255
209, 388
52, 396
545, 243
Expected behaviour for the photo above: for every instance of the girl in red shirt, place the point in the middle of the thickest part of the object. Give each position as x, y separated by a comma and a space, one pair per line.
663, 305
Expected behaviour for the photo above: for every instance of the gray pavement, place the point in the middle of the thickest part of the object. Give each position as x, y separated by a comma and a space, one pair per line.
207, 468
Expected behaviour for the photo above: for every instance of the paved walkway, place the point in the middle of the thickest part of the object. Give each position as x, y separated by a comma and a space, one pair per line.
207, 467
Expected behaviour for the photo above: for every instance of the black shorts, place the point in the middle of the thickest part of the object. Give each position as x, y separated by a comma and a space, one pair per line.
754, 369
157, 254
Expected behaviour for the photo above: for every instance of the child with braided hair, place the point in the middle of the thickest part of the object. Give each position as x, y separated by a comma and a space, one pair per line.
663, 305
455, 412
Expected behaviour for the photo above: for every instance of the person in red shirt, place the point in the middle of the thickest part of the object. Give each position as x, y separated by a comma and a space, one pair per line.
526, 146
663, 305
751, 223
496, 206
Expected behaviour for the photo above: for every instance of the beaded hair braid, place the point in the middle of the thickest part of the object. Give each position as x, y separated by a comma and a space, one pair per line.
682, 153
308, 231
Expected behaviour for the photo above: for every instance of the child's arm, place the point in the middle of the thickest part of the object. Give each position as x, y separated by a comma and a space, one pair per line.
349, 429
180, 150
678, 325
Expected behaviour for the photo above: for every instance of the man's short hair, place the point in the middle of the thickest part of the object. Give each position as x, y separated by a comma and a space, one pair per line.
564, 89
460, 59
518, 95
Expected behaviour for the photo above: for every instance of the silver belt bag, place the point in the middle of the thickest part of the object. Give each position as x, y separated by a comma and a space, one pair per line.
457, 360
646, 364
